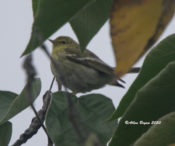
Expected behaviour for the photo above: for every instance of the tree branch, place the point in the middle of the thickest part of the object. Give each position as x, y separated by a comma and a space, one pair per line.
37, 122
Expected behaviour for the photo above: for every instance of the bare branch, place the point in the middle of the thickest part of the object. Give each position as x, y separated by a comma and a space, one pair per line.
37, 122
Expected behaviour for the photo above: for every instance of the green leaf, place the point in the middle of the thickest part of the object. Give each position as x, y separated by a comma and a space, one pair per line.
87, 23
154, 100
11, 104
6, 98
35, 6
161, 134
90, 114
5, 133
155, 61
50, 16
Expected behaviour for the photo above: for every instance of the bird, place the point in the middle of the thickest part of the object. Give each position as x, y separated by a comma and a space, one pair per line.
80, 71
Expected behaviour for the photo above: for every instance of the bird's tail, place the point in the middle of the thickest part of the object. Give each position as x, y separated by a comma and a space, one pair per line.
118, 84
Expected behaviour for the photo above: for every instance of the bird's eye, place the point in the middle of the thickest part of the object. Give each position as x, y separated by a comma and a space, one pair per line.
62, 42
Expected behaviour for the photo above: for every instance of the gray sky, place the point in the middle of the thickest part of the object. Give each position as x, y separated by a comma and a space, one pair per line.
15, 27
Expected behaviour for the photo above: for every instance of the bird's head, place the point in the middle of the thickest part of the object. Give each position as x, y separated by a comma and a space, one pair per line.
63, 42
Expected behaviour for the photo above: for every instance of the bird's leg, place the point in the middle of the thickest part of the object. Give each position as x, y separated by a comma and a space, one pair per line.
59, 85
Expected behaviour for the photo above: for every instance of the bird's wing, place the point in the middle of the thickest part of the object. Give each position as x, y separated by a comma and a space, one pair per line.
90, 60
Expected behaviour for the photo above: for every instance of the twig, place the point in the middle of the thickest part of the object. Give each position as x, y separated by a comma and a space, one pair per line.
37, 122
51, 85
30, 71
72, 115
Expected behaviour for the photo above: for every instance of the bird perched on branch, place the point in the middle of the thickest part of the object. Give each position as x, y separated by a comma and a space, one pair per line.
77, 70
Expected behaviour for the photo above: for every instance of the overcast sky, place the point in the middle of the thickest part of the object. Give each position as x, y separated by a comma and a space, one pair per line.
15, 27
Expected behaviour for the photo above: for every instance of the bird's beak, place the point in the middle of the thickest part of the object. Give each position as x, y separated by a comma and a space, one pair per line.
51, 41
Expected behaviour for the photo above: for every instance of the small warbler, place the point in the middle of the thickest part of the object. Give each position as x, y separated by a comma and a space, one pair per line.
77, 70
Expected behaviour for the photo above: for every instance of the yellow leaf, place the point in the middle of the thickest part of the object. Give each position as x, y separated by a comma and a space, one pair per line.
135, 26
